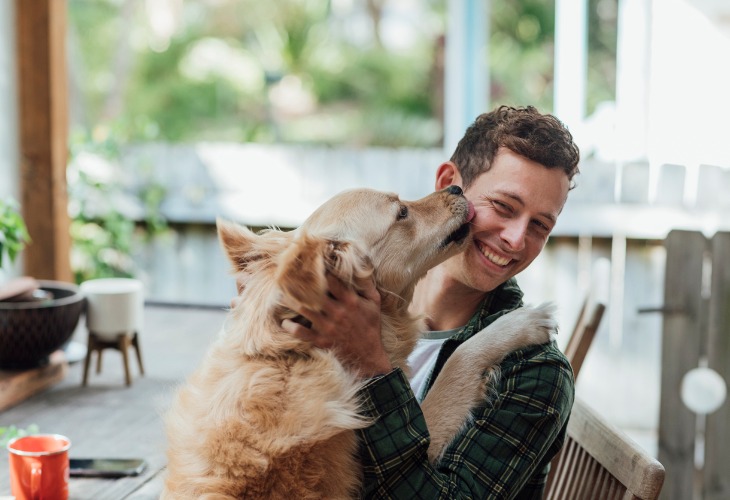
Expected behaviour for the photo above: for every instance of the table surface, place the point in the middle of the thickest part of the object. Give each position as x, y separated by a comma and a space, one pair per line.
107, 419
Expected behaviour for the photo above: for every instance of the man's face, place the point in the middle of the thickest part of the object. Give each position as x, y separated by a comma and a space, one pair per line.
517, 203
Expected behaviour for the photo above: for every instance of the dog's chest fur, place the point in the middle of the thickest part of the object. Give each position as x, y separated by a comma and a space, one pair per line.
263, 428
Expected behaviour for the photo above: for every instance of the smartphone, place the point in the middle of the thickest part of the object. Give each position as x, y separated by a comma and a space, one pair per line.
106, 467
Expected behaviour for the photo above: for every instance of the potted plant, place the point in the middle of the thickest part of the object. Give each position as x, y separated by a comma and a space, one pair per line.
13, 233
37, 317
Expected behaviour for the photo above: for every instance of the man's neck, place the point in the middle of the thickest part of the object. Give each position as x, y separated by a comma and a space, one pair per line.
445, 302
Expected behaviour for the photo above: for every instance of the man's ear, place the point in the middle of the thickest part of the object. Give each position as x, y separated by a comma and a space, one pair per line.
446, 175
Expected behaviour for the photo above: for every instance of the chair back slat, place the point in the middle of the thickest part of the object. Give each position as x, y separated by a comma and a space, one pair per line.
598, 461
589, 319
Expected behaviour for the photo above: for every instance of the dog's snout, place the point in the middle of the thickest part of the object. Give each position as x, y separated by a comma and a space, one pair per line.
454, 190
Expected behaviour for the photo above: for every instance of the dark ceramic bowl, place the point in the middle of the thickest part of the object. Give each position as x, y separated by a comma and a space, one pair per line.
31, 331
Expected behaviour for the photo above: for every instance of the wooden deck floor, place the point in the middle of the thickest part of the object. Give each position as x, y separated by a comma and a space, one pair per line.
109, 419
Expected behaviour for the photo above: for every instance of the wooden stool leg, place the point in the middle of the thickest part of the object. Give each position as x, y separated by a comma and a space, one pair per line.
135, 343
87, 361
123, 343
99, 350
123, 346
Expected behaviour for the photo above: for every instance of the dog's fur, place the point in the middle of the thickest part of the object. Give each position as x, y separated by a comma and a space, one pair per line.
267, 415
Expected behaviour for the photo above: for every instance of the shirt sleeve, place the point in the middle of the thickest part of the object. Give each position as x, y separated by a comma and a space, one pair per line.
502, 453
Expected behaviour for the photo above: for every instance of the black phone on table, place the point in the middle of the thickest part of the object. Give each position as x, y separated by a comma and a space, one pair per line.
106, 467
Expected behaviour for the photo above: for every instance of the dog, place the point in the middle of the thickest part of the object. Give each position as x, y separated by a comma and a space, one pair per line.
268, 415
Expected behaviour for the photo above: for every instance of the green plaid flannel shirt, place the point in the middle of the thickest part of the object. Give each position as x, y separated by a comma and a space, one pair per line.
504, 453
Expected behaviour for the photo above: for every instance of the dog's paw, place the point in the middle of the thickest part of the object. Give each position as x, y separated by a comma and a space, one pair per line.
529, 325
517, 329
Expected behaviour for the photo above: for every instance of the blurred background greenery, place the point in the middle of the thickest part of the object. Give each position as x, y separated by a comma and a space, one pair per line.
316, 72
333, 72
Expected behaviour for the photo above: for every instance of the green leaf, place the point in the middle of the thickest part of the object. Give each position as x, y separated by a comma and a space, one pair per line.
13, 233
11, 432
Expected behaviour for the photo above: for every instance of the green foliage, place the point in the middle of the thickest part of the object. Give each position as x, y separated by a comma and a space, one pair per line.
602, 40
103, 237
521, 52
185, 97
215, 74
366, 75
102, 246
11, 432
180, 107
13, 232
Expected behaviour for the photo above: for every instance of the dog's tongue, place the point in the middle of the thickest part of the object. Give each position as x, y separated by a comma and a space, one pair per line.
471, 213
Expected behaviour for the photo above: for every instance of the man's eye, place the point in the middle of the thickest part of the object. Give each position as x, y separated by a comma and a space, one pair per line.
402, 212
501, 206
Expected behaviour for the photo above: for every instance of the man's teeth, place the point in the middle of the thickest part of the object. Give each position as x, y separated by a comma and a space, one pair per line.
500, 261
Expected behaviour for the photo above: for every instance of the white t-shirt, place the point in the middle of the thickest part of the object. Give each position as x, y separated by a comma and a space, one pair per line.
424, 356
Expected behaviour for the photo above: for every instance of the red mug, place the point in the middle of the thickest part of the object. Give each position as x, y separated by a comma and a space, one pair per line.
39, 467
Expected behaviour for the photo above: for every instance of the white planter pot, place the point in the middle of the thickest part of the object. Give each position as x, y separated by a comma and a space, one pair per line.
114, 306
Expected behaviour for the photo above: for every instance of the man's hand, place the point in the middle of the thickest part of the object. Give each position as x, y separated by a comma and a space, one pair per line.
349, 324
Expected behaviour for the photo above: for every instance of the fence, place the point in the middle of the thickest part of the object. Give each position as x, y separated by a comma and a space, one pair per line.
696, 332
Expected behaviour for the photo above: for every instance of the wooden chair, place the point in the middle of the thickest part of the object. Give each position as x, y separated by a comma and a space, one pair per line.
589, 319
599, 461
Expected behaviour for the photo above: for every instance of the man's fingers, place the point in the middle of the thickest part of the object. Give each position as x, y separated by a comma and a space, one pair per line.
335, 287
342, 293
306, 334
298, 330
370, 291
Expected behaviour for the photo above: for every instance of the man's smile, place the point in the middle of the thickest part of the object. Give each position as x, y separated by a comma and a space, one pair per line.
491, 256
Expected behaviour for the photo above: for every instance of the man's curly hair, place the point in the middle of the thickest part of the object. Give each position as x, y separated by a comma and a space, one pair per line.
539, 137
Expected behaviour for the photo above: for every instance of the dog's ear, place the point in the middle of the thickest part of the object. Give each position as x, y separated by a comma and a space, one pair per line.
250, 252
301, 270
347, 261
238, 242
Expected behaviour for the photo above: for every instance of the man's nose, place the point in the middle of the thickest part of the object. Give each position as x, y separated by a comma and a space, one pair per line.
514, 233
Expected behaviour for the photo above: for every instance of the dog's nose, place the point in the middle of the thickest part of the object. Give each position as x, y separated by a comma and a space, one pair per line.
454, 190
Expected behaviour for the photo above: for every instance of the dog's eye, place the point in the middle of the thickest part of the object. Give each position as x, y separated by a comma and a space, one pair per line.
403, 212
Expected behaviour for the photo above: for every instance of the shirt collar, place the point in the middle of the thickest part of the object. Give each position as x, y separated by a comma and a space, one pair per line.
496, 303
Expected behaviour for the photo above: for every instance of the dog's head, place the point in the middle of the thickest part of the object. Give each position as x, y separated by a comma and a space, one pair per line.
402, 239
354, 235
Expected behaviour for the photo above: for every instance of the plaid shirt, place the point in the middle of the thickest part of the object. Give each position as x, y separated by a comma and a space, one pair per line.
503, 453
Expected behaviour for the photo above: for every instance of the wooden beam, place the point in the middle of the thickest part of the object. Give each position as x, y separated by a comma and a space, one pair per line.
43, 114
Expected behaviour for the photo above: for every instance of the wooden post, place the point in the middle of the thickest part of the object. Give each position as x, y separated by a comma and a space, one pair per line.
716, 472
41, 55
681, 344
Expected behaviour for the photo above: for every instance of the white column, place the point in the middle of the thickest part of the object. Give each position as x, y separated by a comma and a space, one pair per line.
632, 78
571, 61
9, 160
9, 140
466, 85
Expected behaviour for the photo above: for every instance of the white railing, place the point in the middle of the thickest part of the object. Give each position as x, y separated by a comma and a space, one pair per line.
261, 185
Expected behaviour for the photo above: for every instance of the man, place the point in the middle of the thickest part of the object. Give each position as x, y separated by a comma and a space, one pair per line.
516, 166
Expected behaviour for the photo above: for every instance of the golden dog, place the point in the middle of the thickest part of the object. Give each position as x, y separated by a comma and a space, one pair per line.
267, 415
